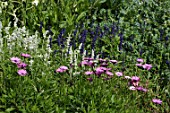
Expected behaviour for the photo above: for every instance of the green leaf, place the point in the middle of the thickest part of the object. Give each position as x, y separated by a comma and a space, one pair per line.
83, 14
10, 109
102, 1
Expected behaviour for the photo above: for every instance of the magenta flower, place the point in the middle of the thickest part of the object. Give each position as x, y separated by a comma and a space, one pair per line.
22, 72
147, 66
99, 71
25, 55
119, 73
140, 60
109, 73
113, 61
15, 60
21, 65
135, 81
89, 73
157, 101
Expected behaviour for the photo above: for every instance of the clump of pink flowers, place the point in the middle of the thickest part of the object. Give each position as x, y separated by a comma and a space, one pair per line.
144, 66
21, 65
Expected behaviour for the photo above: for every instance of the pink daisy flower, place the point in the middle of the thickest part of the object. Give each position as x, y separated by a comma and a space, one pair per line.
140, 88
157, 101
89, 73
15, 60
109, 73
119, 73
25, 55
127, 77
147, 66
113, 61
132, 88
21, 65
140, 60
62, 69
22, 72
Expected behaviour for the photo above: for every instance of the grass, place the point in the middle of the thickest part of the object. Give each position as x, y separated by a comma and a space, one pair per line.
101, 37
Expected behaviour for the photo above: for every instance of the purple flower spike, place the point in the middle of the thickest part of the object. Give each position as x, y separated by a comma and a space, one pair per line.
157, 101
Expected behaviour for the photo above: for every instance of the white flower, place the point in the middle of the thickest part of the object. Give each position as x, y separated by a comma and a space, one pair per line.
35, 2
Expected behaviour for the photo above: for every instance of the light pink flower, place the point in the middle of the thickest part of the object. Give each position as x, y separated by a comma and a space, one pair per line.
22, 72
127, 77
113, 61
62, 69
89, 73
103, 60
109, 73
140, 60
157, 101
147, 66
87, 63
135, 78
132, 88
15, 60
25, 55
119, 73
140, 88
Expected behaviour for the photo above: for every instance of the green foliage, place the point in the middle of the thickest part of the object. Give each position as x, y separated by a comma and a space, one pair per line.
145, 26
